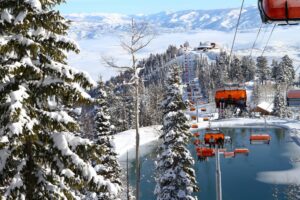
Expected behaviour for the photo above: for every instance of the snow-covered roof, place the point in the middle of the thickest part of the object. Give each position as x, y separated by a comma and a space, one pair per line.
266, 106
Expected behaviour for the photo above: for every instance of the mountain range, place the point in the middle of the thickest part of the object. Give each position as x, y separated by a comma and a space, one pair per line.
93, 25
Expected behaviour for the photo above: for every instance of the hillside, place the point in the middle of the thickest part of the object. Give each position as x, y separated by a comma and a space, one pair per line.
94, 25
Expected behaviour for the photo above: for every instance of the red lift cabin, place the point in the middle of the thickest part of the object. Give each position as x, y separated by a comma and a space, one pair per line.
279, 11
236, 97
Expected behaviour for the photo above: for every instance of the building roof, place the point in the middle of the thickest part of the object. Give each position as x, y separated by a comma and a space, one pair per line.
293, 94
266, 106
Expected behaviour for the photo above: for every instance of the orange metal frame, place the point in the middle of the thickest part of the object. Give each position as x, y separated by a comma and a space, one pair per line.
260, 137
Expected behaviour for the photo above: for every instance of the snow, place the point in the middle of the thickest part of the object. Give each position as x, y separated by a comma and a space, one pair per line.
62, 141
68, 173
4, 154
15, 99
266, 106
6, 16
91, 52
290, 176
125, 141
20, 17
69, 72
16, 182
60, 116
109, 18
82, 91
188, 17
35, 4
204, 17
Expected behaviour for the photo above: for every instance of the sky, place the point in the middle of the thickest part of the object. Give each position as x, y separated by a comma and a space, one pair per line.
146, 6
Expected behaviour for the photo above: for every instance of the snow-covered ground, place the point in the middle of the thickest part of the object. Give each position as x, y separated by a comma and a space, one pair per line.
125, 141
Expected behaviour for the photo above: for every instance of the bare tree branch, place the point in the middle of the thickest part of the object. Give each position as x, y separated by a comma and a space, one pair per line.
110, 62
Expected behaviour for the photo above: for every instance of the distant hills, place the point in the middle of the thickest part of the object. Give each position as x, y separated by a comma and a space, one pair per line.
94, 25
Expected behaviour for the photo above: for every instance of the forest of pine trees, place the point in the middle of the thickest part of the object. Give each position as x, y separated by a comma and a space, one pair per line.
212, 75
216, 74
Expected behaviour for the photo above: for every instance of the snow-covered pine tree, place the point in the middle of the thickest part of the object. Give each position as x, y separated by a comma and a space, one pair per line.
128, 104
155, 93
275, 70
215, 76
255, 97
204, 76
248, 68
280, 109
222, 68
286, 71
40, 156
235, 71
263, 71
175, 175
107, 166
114, 100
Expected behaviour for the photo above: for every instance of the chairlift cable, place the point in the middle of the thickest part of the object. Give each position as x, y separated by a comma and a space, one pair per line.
262, 53
266, 27
237, 26
256, 39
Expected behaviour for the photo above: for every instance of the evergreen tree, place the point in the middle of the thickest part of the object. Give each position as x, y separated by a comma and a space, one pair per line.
107, 166
280, 109
236, 73
40, 155
248, 68
204, 76
150, 113
255, 97
129, 110
121, 106
275, 70
116, 108
155, 97
286, 71
222, 68
175, 176
263, 71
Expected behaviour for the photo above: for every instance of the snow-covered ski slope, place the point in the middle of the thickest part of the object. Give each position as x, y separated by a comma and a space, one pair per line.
125, 141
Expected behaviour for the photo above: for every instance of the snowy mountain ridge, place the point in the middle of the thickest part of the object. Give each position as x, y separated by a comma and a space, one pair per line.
92, 25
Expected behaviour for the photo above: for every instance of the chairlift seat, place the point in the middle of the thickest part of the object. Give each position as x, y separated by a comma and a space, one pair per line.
205, 152
241, 151
260, 138
194, 126
229, 154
